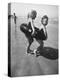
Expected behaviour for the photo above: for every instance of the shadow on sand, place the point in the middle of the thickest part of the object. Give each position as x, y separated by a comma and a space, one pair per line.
49, 53
29, 65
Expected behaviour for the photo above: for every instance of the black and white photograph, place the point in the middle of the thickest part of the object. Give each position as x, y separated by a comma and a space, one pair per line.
33, 39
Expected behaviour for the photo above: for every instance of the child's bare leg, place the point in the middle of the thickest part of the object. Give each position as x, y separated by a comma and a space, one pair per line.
41, 43
39, 49
30, 40
28, 49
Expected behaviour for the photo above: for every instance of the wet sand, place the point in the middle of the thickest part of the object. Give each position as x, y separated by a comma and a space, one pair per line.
29, 65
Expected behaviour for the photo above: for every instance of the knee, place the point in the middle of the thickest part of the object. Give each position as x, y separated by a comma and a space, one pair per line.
30, 40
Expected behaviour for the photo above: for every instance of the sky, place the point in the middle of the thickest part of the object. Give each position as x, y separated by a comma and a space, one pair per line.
22, 9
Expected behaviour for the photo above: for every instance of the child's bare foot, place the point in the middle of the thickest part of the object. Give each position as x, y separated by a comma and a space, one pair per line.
29, 51
37, 53
34, 52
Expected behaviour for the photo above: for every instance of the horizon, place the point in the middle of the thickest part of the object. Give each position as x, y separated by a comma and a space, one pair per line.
22, 9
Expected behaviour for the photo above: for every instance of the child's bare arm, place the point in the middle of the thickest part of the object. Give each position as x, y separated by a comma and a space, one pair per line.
32, 23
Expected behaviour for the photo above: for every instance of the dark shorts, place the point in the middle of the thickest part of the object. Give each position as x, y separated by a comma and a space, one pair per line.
38, 34
27, 30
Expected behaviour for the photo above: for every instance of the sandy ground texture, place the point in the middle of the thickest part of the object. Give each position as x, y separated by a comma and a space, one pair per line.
29, 65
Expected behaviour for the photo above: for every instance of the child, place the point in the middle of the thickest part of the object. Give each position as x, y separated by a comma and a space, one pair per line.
41, 34
31, 18
28, 29
15, 18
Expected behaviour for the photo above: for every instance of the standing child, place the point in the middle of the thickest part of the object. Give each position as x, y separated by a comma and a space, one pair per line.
28, 29
41, 34
15, 19
31, 18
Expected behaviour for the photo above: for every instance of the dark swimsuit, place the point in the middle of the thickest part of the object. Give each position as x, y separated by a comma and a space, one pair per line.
27, 30
39, 34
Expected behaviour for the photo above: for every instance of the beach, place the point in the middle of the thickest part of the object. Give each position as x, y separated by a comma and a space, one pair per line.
29, 65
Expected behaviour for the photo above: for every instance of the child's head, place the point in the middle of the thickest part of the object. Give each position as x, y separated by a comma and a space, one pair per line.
44, 20
32, 15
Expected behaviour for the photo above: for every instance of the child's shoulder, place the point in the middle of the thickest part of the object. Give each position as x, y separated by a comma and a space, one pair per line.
42, 27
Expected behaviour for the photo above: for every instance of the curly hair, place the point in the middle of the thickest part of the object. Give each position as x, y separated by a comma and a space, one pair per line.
44, 17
